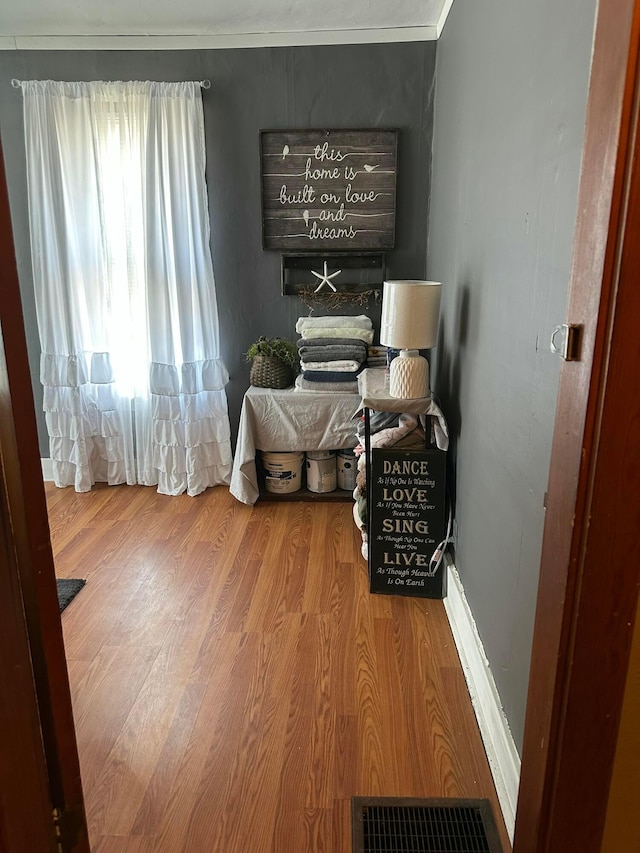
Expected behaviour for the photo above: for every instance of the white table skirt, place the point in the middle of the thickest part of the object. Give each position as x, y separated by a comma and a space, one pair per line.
276, 420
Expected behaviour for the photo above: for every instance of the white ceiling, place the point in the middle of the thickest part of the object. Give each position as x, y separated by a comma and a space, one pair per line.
162, 24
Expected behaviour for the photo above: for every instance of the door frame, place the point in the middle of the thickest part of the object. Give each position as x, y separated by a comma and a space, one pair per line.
590, 564
584, 618
30, 610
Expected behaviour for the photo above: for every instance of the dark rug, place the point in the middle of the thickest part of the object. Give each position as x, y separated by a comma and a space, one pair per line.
68, 588
399, 825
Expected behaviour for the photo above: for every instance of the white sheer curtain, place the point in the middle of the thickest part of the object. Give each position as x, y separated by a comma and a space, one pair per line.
125, 295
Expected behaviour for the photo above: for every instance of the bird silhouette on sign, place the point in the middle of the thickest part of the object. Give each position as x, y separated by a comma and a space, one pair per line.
285, 151
370, 168
305, 216
325, 278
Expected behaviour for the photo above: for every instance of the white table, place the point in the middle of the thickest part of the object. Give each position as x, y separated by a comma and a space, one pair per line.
275, 420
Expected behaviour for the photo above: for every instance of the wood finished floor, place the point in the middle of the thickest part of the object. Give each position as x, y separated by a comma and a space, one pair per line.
235, 684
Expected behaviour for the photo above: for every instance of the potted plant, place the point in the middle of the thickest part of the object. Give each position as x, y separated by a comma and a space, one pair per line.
274, 362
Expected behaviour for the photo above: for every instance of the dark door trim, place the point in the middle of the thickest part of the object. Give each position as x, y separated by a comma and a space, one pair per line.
590, 567
34, 599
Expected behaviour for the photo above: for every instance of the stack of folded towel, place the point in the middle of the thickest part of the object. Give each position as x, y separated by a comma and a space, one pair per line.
333, 350
377, 356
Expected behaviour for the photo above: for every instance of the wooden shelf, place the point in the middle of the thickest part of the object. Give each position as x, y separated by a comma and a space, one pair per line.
361, 271
303, 494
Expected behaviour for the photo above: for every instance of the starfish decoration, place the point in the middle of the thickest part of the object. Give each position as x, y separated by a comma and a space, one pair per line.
325, 278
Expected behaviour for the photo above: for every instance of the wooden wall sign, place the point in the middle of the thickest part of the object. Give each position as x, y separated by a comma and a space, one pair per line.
328, 189
407, 522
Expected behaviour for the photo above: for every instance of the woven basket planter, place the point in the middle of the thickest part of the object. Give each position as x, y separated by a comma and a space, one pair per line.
269, 372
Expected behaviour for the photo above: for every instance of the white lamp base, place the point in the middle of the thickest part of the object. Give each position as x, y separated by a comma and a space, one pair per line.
409, 375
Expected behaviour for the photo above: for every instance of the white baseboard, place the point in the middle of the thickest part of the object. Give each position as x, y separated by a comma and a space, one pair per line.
47, 470
502, 754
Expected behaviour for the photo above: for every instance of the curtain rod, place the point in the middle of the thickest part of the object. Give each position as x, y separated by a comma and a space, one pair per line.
205, 84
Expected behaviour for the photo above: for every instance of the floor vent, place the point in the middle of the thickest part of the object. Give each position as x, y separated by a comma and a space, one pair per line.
399, 825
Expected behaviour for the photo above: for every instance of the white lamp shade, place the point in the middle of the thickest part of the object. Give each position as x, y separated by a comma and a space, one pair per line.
410, 314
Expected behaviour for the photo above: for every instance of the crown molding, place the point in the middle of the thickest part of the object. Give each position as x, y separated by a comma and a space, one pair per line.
218, 41
444, 14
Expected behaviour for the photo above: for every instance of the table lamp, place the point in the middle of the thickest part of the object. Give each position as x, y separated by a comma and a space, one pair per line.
410, 314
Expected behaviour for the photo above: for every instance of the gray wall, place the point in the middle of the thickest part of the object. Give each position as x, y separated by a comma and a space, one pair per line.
511, 88
252, 89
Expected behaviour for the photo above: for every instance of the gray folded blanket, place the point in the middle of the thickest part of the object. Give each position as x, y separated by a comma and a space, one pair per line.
379, 421
330, 375
301, 384
329, 353
323, 342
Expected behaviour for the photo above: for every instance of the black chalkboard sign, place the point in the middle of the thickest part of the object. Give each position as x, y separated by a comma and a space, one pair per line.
328, 189
407, 522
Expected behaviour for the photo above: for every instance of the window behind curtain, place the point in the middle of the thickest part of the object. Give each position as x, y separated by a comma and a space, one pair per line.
124, 284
